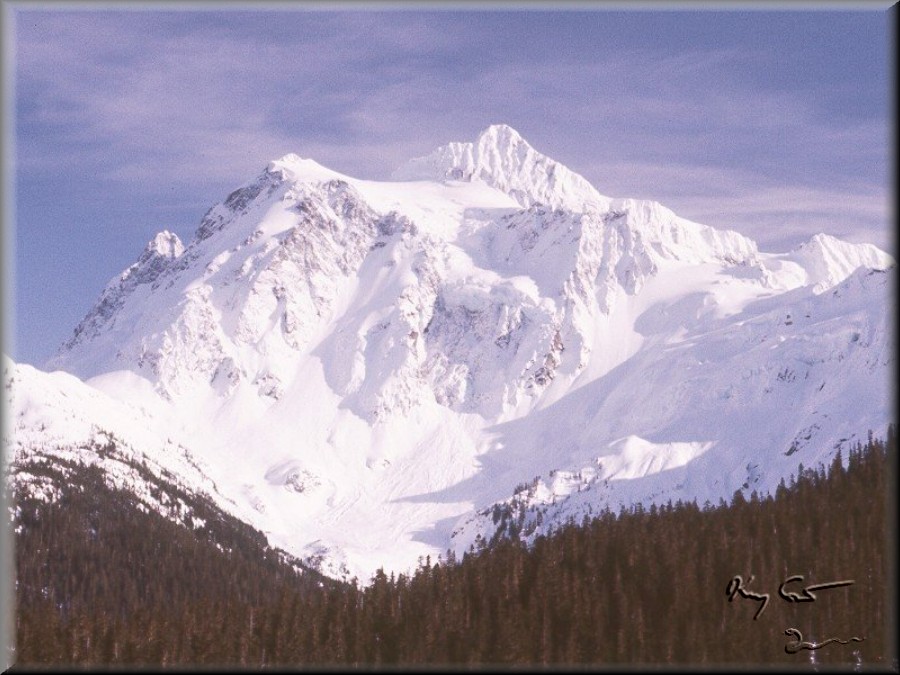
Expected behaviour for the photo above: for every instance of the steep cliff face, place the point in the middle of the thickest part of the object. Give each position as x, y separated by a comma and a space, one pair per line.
364, 369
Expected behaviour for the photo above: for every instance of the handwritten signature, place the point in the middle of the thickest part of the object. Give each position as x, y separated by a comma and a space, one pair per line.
797, 643
808, 595
736, 586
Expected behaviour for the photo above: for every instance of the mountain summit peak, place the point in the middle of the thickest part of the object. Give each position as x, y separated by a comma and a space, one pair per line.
165, 244
293, 167
502, 133
503, 159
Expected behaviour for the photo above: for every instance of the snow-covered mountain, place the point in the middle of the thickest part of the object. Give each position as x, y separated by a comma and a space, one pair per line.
370, 372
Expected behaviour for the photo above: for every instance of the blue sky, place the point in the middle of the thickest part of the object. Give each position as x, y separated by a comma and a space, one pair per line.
133, 120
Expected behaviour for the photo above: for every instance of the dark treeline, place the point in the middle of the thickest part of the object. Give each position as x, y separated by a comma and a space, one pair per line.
102, 582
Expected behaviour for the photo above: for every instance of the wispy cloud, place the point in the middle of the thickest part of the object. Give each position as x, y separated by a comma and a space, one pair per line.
132, 102
137, 95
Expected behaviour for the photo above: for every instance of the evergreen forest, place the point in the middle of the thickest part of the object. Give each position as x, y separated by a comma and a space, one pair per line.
101, 582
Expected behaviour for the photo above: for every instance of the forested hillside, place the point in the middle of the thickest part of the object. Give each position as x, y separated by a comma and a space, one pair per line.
100, 581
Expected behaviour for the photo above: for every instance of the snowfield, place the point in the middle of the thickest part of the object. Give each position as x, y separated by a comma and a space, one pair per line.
371, 372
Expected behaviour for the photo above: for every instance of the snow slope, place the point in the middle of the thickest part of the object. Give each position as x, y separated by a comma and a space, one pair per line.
365, 370
55, 419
